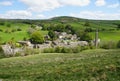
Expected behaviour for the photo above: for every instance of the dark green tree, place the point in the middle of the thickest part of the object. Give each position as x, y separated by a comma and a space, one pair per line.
89, 29
60, 28
118, 26
85, 37
87, 23
8, 25
52, 35
118, 44
33, 26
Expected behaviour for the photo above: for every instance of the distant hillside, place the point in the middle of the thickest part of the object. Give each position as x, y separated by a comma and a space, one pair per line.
75, 22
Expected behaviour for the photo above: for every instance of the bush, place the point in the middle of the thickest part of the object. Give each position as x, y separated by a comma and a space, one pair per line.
13, 30
7, 31
89, 30
84, 48
30, 31
65, 50
76, 49
29, 51
118, 44
108, 45
1, 30
49, 50
1, 50
18, 29
52, 35
58, 49
8, 25
86, 37
2, 55
2, 23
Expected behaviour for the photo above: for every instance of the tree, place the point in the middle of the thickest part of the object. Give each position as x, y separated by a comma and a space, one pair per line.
33, 26
118, 26
85, 37
0, 39
52, 34
87, 23
89, 30
118, 44
60, 28
8, 25
37, 38
2, 23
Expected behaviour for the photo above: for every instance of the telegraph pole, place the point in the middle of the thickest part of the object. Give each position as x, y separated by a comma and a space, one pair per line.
96, 38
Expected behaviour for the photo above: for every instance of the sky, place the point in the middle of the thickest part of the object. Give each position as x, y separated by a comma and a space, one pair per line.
45, 9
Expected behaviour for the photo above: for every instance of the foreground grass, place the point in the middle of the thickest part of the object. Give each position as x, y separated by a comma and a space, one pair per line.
96, 65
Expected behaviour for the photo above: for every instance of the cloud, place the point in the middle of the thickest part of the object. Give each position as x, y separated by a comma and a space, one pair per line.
97, 15
40, 16
75, 2
22, 14
41, 5
13, 14
114, 5
5, 3
46, 5
100, 3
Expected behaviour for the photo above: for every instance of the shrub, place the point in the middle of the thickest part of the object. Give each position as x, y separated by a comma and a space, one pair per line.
86, 37
1, 30
52, 35
13, 30
2, 23
89, 30
24, 38
1, 50
18, 29
2, 55
87, 23
49, 50
108, 45
84, 48
18, 54
76, 49
8, 25
7, 31
118, 44
29, 51
58, 49
65, 50
91, 46
30, 31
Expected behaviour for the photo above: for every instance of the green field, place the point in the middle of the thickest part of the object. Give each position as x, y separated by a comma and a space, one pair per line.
90, 65
17, 35
107, 35
110, 32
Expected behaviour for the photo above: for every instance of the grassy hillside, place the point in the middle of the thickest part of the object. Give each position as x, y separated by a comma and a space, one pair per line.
77, 23
14, 25
95, 65
107, 35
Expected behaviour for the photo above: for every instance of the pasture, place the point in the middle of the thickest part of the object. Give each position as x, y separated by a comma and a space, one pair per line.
107, 35
6, 34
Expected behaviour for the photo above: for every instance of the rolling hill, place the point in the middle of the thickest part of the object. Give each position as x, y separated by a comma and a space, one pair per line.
108, 26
